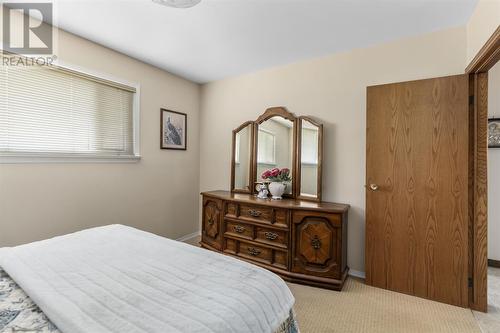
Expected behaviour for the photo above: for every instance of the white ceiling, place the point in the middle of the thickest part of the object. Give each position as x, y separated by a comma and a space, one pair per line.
222, 38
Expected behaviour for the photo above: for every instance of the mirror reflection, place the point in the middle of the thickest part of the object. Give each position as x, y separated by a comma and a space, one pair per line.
275, 147
309, 159
242, 153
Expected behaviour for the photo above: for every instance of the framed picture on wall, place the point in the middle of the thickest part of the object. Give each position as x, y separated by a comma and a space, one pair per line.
173, 130
494, 133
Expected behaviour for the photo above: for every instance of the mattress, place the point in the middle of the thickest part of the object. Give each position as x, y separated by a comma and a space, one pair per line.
18, 313
120, 279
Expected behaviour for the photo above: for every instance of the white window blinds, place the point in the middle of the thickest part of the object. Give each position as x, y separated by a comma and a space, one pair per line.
47, 111
266, 148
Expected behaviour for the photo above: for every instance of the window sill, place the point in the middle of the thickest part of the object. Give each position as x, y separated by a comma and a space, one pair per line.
65, 158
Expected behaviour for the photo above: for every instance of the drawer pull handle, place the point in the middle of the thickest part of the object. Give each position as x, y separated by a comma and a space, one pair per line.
271, 235
254, 213
253, 251
316, 243
239, 229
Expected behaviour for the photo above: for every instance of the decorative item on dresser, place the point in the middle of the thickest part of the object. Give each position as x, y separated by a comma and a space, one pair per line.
300, 237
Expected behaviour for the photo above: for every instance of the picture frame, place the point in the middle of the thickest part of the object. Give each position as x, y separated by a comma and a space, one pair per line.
494, 133
173, 130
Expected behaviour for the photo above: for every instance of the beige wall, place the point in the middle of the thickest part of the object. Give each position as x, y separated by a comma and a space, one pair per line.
483, 22
331, 89
494, 168
158, 194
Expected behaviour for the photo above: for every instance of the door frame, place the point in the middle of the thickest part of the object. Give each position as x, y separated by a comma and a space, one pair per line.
478, 68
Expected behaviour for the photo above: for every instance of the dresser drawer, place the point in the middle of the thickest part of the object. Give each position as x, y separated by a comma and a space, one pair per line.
271, 236
258, 213
239, 229
260, 254
262, 214
257, 253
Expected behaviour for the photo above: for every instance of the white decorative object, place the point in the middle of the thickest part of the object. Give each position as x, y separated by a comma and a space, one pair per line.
263, 191
178, 3
277, 189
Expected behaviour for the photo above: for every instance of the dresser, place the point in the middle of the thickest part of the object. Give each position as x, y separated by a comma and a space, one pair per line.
302, 241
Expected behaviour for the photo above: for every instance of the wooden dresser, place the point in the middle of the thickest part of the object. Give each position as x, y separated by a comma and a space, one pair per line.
302, 241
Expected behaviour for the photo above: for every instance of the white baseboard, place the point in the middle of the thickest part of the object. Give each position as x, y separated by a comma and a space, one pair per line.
189, 236
357, 274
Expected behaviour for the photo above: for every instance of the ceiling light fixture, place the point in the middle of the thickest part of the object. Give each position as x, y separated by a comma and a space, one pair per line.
178, 3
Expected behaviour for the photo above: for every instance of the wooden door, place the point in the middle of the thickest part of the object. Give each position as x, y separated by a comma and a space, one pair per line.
211, 222
417, 188
317, 243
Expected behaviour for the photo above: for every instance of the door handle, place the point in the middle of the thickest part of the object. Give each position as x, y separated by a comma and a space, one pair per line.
373, 187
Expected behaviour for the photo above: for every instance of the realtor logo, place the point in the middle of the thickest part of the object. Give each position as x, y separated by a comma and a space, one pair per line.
27, 28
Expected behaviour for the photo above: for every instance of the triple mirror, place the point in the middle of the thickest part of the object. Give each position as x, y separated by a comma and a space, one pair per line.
278, 139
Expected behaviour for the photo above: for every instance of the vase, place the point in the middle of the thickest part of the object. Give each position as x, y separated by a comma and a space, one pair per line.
277, 189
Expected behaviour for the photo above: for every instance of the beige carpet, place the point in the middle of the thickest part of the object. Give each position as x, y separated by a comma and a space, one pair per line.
361, 308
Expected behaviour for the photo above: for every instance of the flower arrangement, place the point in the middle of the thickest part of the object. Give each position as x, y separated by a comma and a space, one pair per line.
277, 175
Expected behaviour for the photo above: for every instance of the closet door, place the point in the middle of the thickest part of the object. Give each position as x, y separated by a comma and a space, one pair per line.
417, 188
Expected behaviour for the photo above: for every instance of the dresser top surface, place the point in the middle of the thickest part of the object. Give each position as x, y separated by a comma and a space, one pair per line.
285, 203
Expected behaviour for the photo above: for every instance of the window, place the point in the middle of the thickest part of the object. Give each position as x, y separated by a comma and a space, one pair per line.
266, 147
237, 149
53, 112
309, 148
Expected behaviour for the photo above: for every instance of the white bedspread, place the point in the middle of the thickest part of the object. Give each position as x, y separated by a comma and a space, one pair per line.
120, 279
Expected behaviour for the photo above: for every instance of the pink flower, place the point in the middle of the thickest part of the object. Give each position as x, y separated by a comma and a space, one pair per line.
275, 172
285, 171
266, 174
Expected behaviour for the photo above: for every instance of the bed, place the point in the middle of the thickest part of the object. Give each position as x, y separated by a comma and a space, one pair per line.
120, 279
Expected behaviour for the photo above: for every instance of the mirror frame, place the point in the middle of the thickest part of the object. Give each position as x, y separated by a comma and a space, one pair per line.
296, 148
299, 158
251, 186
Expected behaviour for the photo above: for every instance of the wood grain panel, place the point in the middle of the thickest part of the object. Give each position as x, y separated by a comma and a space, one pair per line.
417, 220
485, 59
317, 243
480, 227
211, 224
472, 135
